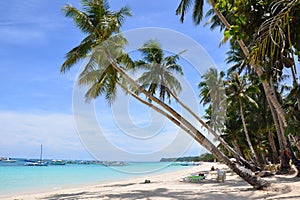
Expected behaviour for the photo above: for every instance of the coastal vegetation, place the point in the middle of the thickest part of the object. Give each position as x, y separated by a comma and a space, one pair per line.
262, 115
207, 157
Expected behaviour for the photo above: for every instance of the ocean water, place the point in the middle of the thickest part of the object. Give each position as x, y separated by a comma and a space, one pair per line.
15, 178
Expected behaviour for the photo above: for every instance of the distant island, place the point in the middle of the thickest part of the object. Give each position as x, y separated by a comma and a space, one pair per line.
207, 157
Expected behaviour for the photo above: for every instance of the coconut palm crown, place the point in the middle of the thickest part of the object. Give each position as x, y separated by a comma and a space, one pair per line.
159, 70
97, 22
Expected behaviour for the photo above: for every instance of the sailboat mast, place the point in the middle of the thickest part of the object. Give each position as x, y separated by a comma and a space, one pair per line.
41, 155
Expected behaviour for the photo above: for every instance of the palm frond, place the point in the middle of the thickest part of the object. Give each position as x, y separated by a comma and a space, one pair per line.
76, 54
198, 11
270, 40
183, 8
122, 14
81, 19
151, 51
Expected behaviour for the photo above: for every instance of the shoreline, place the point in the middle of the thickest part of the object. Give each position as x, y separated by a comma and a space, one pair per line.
79, 186
169, 185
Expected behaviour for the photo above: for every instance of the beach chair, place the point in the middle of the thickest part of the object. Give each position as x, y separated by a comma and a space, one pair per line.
193, 179
221, 175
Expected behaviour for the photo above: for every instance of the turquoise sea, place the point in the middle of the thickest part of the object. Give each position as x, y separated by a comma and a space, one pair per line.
15, 178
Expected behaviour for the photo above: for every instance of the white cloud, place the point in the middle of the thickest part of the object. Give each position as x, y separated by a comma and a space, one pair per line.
22, 134
115, 132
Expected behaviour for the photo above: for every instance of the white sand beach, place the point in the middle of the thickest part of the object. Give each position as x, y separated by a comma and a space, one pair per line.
171, 186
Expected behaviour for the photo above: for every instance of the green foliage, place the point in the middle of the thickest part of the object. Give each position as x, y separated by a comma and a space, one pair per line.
212, 92
207, 157
185, 5
102, 46
97, 22
158, 71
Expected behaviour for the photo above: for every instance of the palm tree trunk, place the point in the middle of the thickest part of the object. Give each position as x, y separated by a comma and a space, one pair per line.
268, 91
237, 147
284, 163
150, 105
273, 147
277, 127
200, 138
235, 154
281, 123
262, 155
295, 161
246, 133
273, 101
285, 160
296, 141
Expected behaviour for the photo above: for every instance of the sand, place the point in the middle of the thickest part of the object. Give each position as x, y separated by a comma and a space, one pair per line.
171, 186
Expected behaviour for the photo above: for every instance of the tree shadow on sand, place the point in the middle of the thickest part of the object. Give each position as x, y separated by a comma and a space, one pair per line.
164, 193
230, 189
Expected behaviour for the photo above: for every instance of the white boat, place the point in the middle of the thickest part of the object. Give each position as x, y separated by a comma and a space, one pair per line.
113, 163
57, 162
7, 160
37, 163
190, 163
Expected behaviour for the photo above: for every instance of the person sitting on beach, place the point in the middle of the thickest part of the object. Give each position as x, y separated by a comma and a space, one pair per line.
212, 168
201, 174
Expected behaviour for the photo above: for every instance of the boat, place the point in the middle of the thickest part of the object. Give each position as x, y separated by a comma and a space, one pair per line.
113, 163
39, 162
7, 160
190, 163
57, 162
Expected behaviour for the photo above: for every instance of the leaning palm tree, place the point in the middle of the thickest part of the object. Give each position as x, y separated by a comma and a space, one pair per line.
158, 75
110, 51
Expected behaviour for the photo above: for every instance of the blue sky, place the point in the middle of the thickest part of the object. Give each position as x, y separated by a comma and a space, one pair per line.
36, 100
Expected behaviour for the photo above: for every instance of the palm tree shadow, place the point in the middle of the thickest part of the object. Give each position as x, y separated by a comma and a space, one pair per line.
165, 193
159, 193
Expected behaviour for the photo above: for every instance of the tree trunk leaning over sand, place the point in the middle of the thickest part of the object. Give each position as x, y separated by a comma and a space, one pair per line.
98, 34
256, 182
218, 137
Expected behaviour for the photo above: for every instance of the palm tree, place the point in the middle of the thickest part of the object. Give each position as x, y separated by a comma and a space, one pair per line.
109, 50
159, 76
159, 70
212, 91
100, 74
232, 132
275, 27
239, 93
183, 123
182, 9
98, 22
